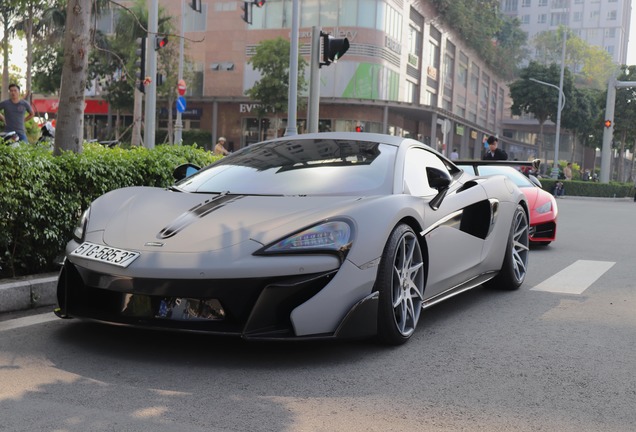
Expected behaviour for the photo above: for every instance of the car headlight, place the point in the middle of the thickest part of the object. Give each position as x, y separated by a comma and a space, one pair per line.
80, 228
544, 208
332, 236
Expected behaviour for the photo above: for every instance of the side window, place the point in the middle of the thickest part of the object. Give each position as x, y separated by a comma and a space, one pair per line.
415, 181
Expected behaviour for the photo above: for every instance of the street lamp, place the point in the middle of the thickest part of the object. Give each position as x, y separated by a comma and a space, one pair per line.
555, 167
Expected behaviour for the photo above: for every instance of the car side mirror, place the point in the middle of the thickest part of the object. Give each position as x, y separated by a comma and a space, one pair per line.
184, 170
440, 181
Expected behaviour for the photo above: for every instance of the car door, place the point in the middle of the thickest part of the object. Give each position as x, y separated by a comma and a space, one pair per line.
454, 245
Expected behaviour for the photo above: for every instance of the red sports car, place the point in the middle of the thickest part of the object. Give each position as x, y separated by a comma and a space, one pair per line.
543, 206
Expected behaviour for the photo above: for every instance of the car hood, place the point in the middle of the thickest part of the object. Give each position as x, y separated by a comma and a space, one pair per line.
144, 218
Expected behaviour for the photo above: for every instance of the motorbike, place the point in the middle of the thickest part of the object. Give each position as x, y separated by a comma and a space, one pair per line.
10, 138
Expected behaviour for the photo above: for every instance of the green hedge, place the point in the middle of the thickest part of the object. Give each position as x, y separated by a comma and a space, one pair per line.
196, 137
591, 189
42, 196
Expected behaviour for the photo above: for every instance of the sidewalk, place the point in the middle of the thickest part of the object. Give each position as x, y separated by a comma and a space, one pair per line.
28, 292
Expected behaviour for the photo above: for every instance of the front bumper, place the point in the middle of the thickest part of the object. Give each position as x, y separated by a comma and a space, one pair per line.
252, 308
543, 232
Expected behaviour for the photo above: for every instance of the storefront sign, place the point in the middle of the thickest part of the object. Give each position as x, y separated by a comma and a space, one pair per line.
188, 113
248, 108
335, 32
91, 106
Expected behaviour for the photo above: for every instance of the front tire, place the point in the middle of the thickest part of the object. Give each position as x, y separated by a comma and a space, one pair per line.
515, 264
401, 286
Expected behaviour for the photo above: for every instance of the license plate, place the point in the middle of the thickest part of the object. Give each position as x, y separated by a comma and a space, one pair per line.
105, 254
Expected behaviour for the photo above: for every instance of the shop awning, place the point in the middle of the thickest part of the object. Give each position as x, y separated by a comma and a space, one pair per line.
91, 106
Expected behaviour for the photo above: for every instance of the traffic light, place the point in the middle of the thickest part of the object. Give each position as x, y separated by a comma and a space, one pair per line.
160, 42
160, 79
608, 123
332, 48
140, 64
359, 128
195, 5
247, 11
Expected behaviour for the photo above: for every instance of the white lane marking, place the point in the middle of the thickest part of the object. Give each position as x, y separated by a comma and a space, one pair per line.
576, 278
27, 321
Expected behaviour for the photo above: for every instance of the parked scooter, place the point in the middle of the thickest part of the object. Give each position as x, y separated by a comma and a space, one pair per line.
47, 135
10, 138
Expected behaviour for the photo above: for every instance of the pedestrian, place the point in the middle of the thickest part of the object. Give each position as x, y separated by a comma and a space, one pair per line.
558, 190
567, 171
454, 155
494, 153
219, 148
13, 111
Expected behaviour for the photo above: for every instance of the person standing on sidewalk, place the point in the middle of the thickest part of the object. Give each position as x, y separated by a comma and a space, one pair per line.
494, 153
13, 110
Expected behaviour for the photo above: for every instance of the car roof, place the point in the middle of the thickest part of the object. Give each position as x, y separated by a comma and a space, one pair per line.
358, 136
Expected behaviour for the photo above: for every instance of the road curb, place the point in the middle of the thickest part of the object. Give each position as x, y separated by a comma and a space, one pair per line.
28, 292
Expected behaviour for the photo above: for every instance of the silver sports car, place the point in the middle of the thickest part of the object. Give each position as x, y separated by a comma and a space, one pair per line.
329, 235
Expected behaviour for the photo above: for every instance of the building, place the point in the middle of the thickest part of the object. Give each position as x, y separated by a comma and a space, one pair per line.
405, 73
601, 23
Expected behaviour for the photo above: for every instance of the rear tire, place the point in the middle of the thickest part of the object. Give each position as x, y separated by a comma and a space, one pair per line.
401, 286
515, 264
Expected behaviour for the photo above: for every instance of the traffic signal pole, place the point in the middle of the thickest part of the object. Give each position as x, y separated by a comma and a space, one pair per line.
292, 101
313, 106
151, 70
608, 132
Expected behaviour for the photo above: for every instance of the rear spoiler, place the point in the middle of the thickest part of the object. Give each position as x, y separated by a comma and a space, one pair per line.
534, 164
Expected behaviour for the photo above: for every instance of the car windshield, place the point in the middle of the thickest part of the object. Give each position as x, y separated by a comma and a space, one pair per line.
300, 167
512, 173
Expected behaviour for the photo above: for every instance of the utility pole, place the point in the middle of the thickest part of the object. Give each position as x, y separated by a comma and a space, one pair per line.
178, 124
561, 103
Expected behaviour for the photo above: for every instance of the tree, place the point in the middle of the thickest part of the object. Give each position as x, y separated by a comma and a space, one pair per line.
8, 13
48, 54
538, 99
70, 119
581, 116
592, 65
497, 39
625, 118
30, 13
272, 90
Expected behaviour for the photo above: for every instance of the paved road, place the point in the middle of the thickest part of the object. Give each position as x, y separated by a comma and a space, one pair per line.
538, 359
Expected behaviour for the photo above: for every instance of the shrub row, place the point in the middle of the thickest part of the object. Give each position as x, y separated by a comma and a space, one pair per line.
590, 188
42, 196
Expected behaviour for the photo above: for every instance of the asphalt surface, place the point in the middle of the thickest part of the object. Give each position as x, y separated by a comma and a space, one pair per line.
38, 291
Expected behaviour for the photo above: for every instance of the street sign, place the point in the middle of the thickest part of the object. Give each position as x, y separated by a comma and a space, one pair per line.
181, 87
446, 126
181, 104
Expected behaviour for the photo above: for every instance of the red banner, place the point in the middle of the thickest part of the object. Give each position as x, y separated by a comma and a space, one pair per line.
91, 106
